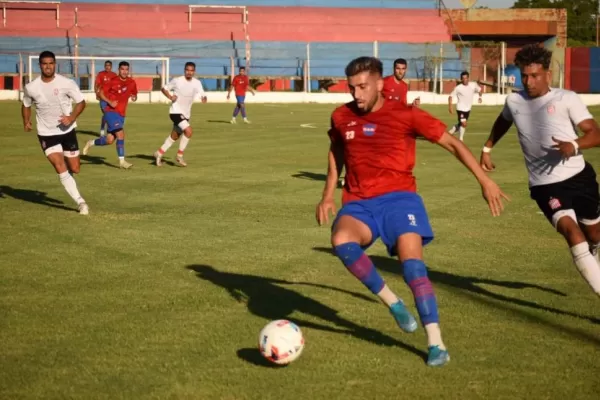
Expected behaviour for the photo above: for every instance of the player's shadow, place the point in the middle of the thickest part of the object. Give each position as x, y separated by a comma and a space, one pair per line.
152, 159
269, 298
313, 176
96, 160
33, 196
89, 133
471, 284
218, 121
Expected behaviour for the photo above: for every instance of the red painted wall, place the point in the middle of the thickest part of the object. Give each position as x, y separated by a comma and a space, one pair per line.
580, 69
266, 23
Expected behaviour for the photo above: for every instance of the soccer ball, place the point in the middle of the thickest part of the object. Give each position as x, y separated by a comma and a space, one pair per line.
281, 341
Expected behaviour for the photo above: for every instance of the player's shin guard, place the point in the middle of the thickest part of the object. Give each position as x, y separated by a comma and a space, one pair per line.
183, 142
101, 141
415, 275
360, 265
587, 265
236, 110
121, 148
243, 108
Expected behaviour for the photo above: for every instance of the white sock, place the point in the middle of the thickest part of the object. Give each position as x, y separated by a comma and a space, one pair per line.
387, 296
452, 130
434, 335
70, 186
461, 133
587, 265
166, 145
183, 142
121, 159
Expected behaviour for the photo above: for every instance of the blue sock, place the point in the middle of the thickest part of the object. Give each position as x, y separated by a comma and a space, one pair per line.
243, 111
101, 141
415, 275
236, 110
121, 147
360, 265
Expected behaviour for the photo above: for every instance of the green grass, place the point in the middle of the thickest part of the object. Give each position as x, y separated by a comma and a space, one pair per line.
162, 290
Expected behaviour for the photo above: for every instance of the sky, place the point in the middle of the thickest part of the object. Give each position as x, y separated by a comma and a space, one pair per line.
487, 3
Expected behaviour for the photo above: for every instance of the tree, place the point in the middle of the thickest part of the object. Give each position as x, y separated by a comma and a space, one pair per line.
581, 16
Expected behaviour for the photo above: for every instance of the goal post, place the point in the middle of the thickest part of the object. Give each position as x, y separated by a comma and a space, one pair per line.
92, 65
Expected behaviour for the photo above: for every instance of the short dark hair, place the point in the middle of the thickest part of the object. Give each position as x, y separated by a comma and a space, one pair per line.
464, 73
46, 54
242, 68
533, 54
123, 64
189, 64
400, 61
364, 64
108, 62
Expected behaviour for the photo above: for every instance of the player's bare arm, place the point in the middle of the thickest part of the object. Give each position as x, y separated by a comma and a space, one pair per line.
67, 120
491, 192
112, 103
26, 114
229, 91
334, 168
501, 126
450, 104
590, 138
168, 95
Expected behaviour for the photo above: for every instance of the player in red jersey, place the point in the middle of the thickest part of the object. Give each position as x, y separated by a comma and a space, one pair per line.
101, 79
241, 84
395, 87
116, 93
375, 139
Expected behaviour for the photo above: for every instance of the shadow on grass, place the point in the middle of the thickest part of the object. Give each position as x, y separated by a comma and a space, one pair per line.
468, 286
152, 159
314, 176
269, 299
96, 160
33, 196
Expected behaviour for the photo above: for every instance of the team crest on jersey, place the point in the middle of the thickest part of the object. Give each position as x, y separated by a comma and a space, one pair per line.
369, 129
554, 203
551, 109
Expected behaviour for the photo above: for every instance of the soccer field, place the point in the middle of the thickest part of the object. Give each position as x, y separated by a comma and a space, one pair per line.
162, 290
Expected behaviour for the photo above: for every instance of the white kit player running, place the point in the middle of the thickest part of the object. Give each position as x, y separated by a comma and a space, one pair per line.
464, 93
561, 182
53, 95
185, 90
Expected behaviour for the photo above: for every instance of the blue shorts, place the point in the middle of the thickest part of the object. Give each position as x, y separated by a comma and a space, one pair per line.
114, 120
103, 105
389, 216
240, 99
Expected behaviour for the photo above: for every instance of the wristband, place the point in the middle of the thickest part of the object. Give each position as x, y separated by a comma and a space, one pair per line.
576, 145
486, 149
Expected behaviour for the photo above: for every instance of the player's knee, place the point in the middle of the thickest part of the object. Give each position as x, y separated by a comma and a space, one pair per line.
341, 237
74, 168
566, 224
463, 124
188, 132
110, 139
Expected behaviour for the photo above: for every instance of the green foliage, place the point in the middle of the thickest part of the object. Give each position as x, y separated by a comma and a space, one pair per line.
581, 16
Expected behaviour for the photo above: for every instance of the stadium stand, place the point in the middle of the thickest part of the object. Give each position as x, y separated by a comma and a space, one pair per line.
275, 38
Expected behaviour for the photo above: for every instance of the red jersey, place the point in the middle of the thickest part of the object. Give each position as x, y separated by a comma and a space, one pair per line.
394, 90
240, 84
380, 147
104, 77
119, 90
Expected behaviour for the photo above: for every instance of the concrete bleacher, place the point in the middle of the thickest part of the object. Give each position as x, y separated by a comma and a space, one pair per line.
279, 31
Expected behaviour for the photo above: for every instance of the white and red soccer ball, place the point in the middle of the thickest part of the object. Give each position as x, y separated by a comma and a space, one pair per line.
281, 341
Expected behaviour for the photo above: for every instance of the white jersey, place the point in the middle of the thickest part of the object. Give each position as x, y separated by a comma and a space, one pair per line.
52, 100
187, 92
464, 95
555, 114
